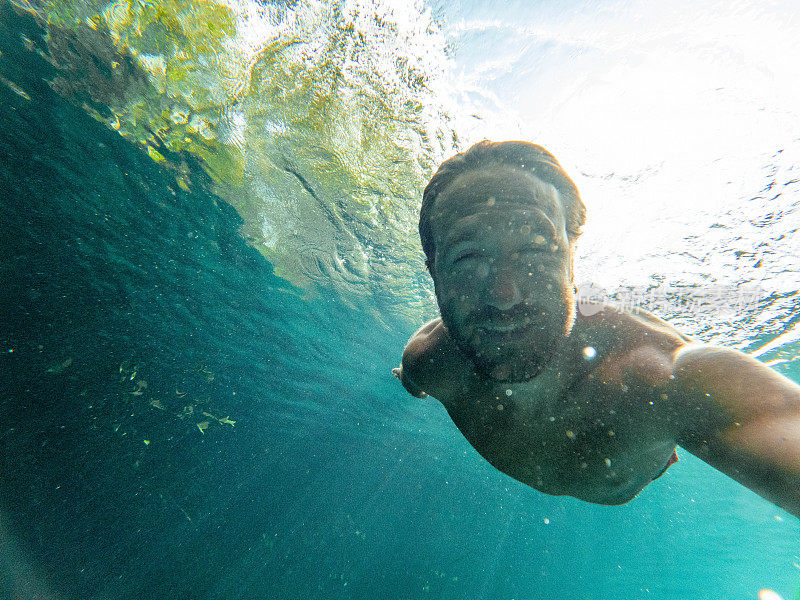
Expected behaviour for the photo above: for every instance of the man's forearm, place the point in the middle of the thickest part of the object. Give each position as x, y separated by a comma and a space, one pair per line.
742, 418
767, 475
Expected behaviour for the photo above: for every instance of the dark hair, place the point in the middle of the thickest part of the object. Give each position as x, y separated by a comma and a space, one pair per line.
523, 155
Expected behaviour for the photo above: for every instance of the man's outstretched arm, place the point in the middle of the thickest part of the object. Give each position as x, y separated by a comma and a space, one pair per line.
742, 418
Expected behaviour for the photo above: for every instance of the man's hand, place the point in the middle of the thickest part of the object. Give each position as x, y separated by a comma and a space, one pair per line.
410, 387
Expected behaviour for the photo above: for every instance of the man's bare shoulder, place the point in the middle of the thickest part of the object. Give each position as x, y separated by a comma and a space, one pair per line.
629, 326
433, 363
629, 344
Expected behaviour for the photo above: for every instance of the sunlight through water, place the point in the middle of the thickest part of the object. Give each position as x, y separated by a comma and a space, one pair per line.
214, 265
322, 121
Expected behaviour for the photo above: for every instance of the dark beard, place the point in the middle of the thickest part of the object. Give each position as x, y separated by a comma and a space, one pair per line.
509, 371
511, 367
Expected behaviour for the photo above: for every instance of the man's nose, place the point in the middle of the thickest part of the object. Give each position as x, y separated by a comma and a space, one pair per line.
502, 290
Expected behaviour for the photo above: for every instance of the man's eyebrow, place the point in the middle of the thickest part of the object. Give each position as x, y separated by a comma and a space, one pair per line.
463, 234
539, 220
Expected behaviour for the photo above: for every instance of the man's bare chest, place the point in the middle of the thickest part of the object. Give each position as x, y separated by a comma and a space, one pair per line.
578, 438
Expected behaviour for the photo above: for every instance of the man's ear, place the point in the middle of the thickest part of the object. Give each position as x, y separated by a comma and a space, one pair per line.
432, 272
572, 263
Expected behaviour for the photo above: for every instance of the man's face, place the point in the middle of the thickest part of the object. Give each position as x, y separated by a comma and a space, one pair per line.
502, 270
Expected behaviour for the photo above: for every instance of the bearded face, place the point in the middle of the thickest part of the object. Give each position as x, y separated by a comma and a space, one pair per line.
502, 270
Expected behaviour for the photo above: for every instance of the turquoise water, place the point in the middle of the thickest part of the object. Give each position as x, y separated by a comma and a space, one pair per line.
178, 421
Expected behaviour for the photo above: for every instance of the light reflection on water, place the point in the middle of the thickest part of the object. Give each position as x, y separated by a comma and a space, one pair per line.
679, 125
382, 502
322, 121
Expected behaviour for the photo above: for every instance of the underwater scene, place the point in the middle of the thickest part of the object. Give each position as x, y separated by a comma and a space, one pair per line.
210, 265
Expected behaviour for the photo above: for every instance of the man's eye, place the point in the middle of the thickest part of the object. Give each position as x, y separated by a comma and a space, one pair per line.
465, 256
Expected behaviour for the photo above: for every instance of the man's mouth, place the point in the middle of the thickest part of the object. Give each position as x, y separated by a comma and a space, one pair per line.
505, 323
505, 327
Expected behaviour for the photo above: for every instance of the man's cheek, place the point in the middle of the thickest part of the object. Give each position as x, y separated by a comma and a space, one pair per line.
458, 300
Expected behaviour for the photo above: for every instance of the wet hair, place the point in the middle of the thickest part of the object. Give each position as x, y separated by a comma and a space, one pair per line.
527, 157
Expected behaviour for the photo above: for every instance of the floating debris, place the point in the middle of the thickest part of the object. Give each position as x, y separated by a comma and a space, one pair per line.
224, 420
202, 426
207, 373
15, 88
127, 370
141, 386
60, 367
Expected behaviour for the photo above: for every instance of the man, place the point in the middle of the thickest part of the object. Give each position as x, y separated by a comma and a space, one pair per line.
585, 405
